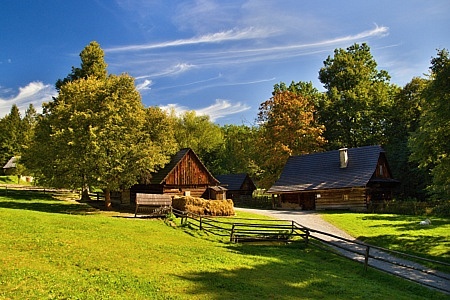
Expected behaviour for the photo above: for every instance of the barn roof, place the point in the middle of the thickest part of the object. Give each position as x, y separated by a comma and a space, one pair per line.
234, 182
322, 170
161, 176
11, 162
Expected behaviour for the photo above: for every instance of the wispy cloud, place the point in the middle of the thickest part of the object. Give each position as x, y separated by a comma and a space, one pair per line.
220, 109
34, 93
171, 70
145, 85
229, 35
226, 54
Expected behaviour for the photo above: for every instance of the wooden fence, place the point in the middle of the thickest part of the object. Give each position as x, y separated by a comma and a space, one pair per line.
257, 230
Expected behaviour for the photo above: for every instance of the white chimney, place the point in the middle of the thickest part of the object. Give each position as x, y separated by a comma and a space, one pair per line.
343, 157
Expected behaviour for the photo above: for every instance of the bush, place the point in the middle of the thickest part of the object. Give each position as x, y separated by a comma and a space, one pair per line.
442, 209
204, 207
412, 207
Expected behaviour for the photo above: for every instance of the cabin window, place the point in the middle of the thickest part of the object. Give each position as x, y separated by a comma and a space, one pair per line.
345, 197
380, 169
318, 196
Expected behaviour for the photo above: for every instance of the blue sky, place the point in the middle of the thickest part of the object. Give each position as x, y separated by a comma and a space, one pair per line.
219, 58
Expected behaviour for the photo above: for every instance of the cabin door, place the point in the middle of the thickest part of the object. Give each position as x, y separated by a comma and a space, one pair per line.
308, 201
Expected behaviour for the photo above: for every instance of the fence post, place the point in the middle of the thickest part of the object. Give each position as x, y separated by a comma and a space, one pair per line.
232, 233
366, 258
307, 236
98, 196
292, 227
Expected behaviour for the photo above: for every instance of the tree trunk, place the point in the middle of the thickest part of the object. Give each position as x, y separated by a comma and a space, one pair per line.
107, 193
85, 195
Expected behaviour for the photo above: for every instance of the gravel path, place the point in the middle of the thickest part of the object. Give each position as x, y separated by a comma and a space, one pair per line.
311, 219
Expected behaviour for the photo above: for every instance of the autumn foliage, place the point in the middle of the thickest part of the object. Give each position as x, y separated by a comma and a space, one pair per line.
288, 127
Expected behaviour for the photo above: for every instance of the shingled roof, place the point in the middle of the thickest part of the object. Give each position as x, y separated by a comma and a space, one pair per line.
234, 182
320, 171
11, 162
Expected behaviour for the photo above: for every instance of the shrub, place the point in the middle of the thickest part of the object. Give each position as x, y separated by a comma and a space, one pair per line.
412, 207
204, 207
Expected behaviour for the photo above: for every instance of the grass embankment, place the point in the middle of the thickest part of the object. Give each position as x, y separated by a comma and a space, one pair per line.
13, 179
398, 232
57, 249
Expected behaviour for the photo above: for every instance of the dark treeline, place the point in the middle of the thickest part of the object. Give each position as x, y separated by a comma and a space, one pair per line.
97, 132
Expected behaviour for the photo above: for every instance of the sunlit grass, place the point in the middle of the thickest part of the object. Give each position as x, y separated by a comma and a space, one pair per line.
61, 250
398, 232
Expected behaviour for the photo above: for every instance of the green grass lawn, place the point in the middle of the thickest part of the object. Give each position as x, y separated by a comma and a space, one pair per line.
398, 232
12, 179
53, 249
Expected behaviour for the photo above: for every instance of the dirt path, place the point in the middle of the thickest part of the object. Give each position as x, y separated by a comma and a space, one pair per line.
311, 219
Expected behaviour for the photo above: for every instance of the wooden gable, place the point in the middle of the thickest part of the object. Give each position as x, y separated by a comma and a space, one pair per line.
189, 171
185, 174
382, 169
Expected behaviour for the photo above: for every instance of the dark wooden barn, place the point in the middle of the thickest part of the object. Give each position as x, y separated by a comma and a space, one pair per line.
186, 175
340, 179
238, 185
10, 166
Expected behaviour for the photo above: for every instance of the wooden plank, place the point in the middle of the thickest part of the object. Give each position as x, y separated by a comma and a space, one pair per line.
156, 203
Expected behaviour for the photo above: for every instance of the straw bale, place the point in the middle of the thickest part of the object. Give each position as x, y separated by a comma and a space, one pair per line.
204, 207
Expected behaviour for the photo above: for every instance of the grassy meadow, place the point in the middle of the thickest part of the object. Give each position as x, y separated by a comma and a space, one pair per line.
398, 232
55, 249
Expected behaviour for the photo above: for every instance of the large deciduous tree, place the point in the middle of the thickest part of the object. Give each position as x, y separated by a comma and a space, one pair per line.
404, 119
10, 135
201, 135
430, 143
95, 132
287, 127
240, 151
355, 111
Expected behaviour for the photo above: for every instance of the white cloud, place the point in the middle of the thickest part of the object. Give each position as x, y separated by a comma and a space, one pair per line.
34, 93
145, 85
179, 61
229, 35
220, 109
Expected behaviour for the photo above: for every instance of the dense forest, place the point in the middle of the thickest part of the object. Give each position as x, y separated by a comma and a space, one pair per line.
96, 131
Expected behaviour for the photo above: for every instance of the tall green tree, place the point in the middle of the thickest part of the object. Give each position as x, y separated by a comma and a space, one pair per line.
95, 133
92, 64
430, 143
239, 153
201, 135
404, 120
359, 97
11, 139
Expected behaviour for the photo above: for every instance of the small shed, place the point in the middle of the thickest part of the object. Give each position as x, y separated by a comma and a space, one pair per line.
340, 179
185, 174
238, 185
11, 165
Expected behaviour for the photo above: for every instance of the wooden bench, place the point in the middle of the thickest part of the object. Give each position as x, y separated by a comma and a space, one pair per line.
155, 204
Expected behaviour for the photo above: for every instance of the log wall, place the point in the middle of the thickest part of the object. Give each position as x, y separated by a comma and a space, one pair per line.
352, 199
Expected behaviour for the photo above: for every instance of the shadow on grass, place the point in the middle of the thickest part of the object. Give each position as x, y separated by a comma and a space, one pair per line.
290, 272
39, 201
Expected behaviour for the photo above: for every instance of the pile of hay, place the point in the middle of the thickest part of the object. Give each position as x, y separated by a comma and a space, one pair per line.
204, 207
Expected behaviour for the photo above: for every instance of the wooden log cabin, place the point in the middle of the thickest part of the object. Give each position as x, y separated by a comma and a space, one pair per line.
238, 185
341, 179
185, 174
